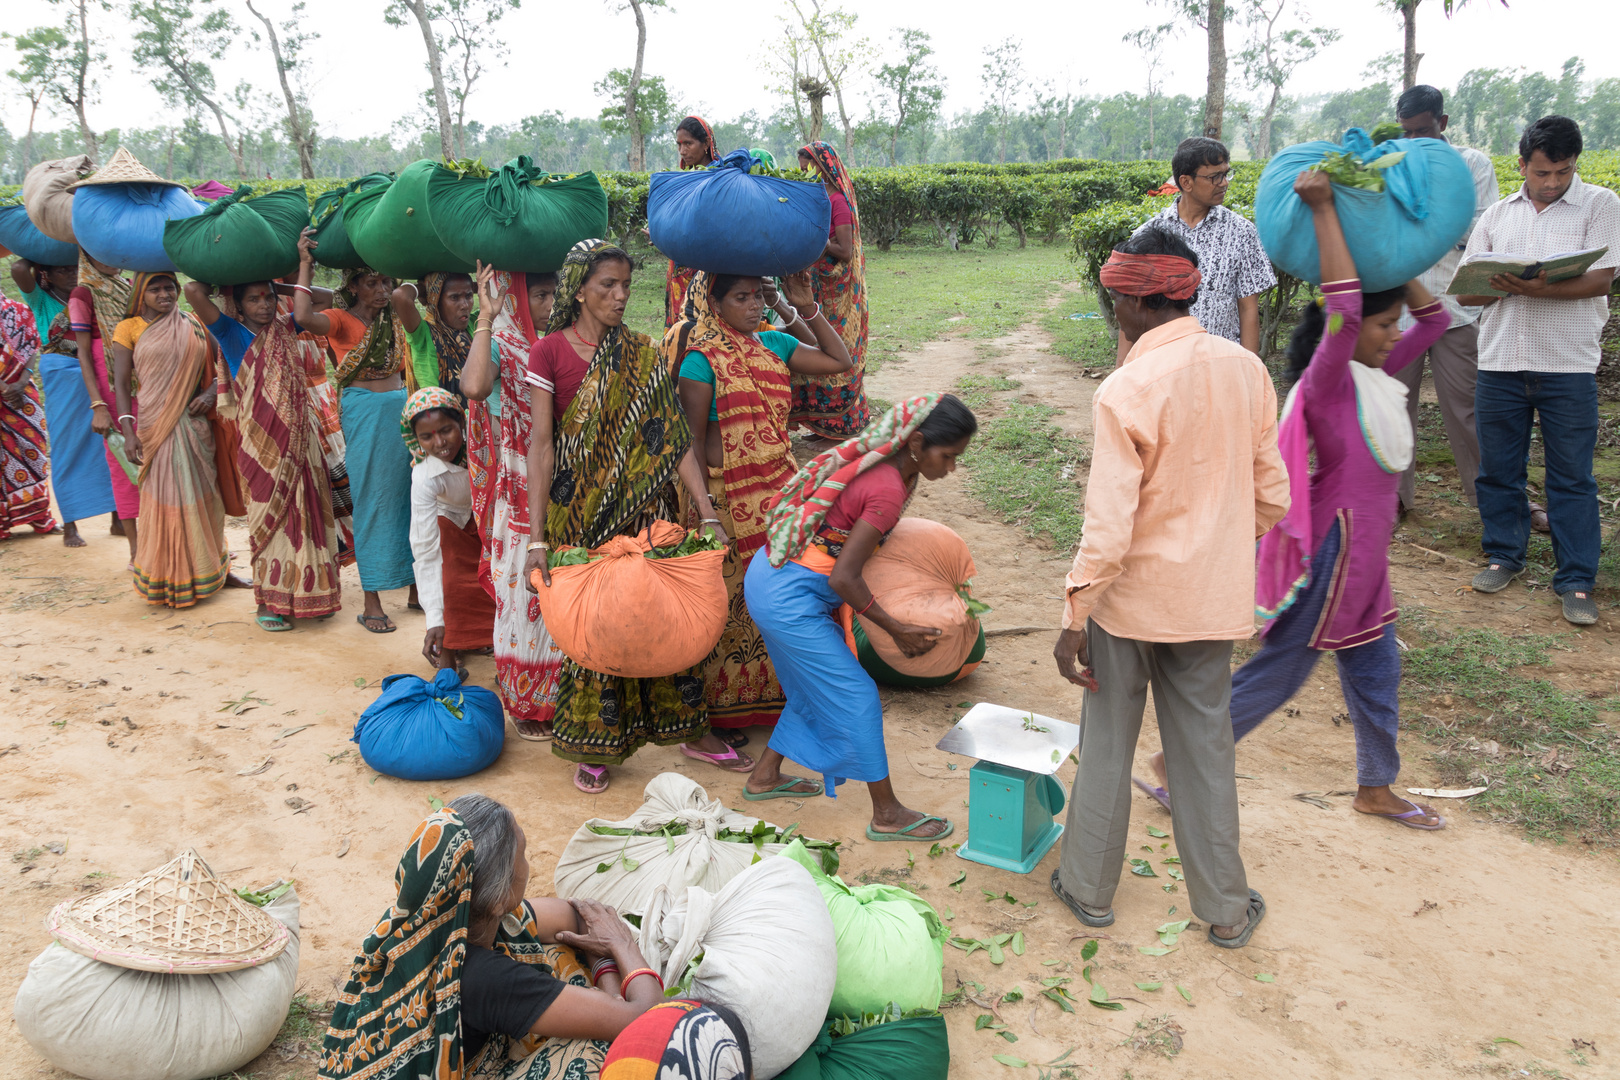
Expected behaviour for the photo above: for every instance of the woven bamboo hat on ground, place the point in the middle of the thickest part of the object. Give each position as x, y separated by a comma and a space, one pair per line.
178, 919
123, 169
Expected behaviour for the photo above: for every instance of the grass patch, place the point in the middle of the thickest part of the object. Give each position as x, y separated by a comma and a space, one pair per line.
975, 390
1552, 762
1079, 333
1028, 473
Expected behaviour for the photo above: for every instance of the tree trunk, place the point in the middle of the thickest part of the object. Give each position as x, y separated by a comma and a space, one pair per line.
184, 75
1265, 125
436, 68
1409, 69
28, 143
632, 91
295, 123
1215, 94
81, 76
815, 91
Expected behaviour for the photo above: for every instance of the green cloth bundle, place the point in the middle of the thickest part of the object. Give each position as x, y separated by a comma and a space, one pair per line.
912, 1048
239, 239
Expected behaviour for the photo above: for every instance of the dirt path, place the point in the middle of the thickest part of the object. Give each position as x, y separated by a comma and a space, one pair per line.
1394, 952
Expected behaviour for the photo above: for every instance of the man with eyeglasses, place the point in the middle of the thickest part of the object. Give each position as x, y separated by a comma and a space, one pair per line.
1234, 266
1454, 359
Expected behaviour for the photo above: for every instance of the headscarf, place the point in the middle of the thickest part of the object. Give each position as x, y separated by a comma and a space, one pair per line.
19, 339
683, 1039
383, 346
453, 345
109, 294
753, 395
424, 400
624, 434
814, 488
708, 138
1150, 275
831, 168
399, 1014
137, 291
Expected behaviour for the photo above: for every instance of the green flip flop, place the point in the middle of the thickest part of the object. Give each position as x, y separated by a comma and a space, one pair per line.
780, 791
906, 833
272, 623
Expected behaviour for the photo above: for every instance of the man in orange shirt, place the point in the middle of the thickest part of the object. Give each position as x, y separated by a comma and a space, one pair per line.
1185, 475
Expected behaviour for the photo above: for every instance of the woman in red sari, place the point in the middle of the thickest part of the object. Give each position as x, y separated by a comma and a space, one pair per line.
694, 142
736, 388
25, 497
834, 407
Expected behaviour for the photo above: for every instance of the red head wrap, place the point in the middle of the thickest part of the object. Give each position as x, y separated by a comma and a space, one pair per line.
1150, 275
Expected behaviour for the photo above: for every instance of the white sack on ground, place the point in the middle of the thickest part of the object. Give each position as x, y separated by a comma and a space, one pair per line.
769, 953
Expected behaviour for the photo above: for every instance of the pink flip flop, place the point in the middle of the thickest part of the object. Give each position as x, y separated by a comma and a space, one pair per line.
1157, 794
731, 760
1405, 818
595, 772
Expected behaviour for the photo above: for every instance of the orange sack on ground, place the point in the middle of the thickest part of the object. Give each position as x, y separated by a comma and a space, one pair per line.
920, 576
635, 617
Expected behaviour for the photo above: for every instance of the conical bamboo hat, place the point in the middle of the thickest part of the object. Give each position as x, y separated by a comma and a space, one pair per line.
179, 918
124, 168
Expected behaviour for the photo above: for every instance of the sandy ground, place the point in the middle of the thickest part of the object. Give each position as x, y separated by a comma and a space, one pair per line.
134, 733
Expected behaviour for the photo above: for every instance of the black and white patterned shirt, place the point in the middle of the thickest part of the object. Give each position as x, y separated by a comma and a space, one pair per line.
1230, 259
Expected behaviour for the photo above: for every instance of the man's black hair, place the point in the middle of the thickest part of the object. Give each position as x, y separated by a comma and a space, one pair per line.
1419, 100
1558, 137
1195, 153
1156, 241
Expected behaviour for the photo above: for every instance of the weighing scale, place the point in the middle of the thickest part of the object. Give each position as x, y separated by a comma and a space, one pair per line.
1012, 795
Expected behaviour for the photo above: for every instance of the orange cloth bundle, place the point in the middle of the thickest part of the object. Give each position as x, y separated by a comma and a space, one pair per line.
635, 617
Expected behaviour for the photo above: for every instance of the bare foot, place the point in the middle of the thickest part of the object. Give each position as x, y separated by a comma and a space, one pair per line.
1156, 761
117, 526
70, 535
236, 581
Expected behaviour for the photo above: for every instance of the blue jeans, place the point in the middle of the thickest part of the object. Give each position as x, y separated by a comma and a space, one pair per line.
1505, 403
1369, 675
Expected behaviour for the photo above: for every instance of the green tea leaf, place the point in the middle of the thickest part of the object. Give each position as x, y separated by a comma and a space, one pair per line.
1009, 1036
1265, 976
957, 883
1010, 1061
1111, 1006
1018, 943
949, 914
1142, 868
1150, 986
1146, 951
1098, 993
1186, 994
1058, 997
1157, 833
996, 955
1173, 927
1089, 949
983, 1021
1012, 996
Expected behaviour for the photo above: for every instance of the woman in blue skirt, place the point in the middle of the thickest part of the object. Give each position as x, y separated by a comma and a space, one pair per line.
832, 516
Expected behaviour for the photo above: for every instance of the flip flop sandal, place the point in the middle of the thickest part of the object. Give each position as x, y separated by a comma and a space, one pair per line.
413, 607
1257, 911
462, 674
1157, 794
597, 773
1538, 518
784, 790
1405, 818
907, 832
731, 761
367, 620
541, 731
273, 624
1074, 906
732, 737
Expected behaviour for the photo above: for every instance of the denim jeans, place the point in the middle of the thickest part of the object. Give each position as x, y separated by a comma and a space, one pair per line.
1505, 402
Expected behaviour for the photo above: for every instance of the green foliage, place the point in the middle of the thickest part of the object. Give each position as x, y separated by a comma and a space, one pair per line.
1028, 472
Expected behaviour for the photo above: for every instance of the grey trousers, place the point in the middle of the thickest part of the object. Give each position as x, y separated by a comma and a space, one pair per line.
1192, 692
1454, 362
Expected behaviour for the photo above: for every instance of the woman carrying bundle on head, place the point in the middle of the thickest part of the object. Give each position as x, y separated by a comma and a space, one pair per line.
95, 308
1323, 572
25, 497
832, 517
369, 350
164, 354
444, 539
608, 439
694, 144
292, 527
438, 333
834, 406
495, 381
736, 388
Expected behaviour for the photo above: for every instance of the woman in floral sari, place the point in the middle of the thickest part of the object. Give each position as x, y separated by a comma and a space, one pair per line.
24, 486
834, 407
736, 389
527, 661
620, 441
187, 488
694, 145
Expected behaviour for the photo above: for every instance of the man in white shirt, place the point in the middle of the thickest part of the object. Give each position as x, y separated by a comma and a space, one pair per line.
1539, 348
1454, 359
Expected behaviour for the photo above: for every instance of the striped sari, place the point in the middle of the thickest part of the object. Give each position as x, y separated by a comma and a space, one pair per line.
834, 406
24, 483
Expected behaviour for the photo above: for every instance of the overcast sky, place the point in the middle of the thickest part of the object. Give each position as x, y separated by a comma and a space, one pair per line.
363, 74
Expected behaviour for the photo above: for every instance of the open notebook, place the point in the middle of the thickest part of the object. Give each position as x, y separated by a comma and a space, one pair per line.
1473, 277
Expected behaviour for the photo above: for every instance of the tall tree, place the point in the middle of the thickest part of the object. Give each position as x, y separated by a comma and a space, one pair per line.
632, 85
176, 40
1407, 10
78, 92
286, 51
47, 65
1273, 54
1149, 41
912, 88
1210, 16
655, 111
828, 33
1003, 78
465, 30
1053, 105
1568, 102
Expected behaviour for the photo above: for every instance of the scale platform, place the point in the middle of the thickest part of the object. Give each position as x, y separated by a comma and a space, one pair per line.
1012, 794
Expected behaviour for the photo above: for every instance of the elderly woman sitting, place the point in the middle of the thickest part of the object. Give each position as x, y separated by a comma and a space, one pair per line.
463, 976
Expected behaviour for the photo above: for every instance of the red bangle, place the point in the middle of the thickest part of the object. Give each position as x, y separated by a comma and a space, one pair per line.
624, 983
868, 606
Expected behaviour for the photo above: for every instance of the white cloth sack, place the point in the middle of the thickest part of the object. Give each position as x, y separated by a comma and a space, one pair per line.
697, 858
111, 1023
1385, 424
46, 200
769, 953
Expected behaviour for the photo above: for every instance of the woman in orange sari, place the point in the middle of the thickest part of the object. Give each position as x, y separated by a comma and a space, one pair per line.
166, 357
736, 390
835, 408
694, 143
